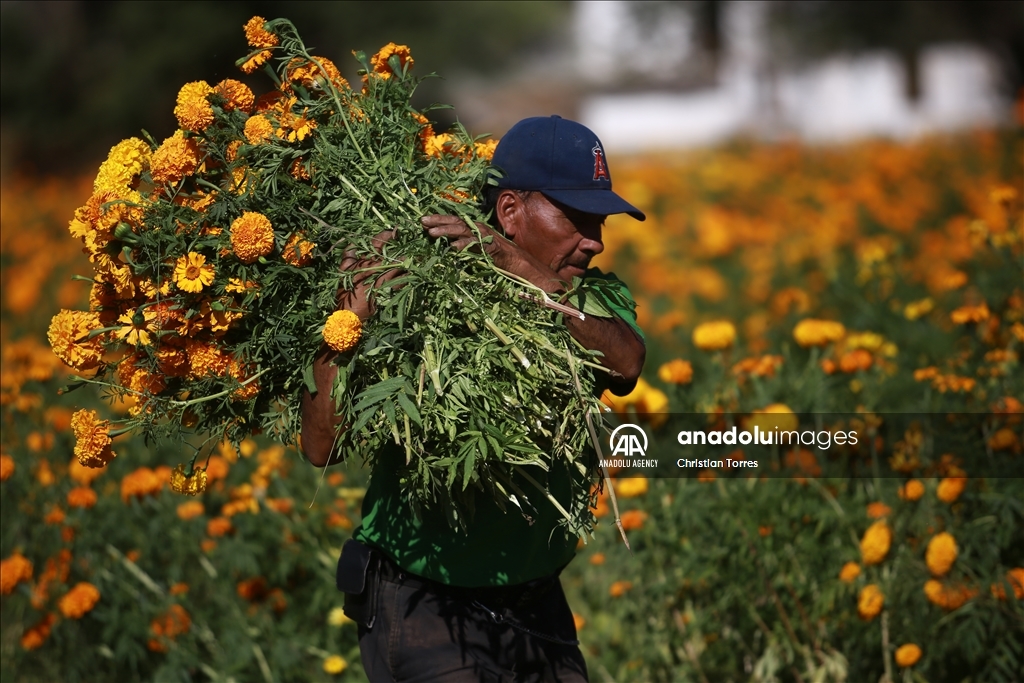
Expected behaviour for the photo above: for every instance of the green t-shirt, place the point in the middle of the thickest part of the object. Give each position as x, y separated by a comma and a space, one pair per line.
499, 547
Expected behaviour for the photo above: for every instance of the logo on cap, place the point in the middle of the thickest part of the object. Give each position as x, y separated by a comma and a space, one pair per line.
600, 167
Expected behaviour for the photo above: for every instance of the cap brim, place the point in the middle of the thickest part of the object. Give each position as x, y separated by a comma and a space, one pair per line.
603, 202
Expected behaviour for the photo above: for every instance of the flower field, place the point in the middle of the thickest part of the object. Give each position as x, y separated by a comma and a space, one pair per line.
872, 278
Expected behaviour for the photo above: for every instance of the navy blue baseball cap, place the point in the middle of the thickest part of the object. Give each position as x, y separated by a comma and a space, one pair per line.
563, 160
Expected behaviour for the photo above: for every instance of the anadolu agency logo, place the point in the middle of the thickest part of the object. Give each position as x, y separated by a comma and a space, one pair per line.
629, 446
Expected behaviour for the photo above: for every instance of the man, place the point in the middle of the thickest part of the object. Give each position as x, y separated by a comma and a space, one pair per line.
436, 604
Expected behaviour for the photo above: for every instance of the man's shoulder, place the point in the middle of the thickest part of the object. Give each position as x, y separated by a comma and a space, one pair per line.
615, 294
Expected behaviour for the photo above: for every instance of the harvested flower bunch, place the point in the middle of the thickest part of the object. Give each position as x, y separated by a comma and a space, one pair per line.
216, 276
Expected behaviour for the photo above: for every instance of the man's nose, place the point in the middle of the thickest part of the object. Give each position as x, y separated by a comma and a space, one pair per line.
591, 246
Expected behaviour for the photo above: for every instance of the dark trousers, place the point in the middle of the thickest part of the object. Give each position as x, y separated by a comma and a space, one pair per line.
424, 631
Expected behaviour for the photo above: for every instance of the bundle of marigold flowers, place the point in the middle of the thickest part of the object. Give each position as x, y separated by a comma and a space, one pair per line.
216, 270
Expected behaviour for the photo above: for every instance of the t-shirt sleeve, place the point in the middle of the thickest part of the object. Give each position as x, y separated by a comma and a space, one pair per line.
616, 297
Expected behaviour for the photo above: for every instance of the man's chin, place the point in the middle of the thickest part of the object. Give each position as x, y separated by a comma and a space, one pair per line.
569, 272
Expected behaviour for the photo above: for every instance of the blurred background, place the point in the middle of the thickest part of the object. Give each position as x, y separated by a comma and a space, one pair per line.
77, 76
851, 169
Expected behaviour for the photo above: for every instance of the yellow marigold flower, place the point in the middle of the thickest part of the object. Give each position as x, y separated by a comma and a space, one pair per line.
176, 158
631, 487
92, 439
335, 664
6, 466
299, 171
950, 488
191, 273
13, 571
849, 572
258, 129
257, 34
912, 490
918, 309
870, 602
970, 314
193, 110
773, 416
81, 497
252, 236
379, 62
676, 371
236, 94
436, 145
907, 655
878, 510
68, 336
243, 372
189, 485
714, 336
298, 251
127, 159
812, 332
485, 149
237, 286
941, 554
79, 600
874, 546
188, 509
337, 617
137, 327
140, 483
256, 61
342, 330
619, 588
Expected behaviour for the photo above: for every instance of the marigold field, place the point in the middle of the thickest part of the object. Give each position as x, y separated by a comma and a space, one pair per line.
869, 278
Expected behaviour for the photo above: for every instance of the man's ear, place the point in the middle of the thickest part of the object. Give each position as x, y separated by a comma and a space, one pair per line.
510, 210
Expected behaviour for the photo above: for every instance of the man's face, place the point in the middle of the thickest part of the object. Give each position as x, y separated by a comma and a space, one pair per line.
561, 237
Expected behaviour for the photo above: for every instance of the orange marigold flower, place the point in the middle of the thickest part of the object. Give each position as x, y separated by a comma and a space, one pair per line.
34, 637
714, 336
193, 110
81, 474
342, 330
812, 332
763, 366
92, 439
912, 490
298, 251
6, 466
252, 236
941, 554
970, 314
676, 371
947, 597
1005, 440
619, 588
299, 170
252, 589
140, 483
1014, 577
380, 62
485, 149
236, 94
858, 359
878, 510
257, 60
870, 602
192, 273
219, 526
14, 570
189, 484
175, 622
282, 505
79, 600
68, 336
950, 488
849, 572
258, 129
257, 34
55, 516
190, 509
311, 76
175, 159
633, 519
178, 589
206, 359
81, 497
874, 546
907, 655
597, 559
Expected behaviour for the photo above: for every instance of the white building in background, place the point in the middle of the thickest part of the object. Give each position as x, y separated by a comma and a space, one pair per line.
838, 99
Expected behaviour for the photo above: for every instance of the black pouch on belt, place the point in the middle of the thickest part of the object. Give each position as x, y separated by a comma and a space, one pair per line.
356, 577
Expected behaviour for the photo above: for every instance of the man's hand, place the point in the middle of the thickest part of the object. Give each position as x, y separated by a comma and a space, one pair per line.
320, 424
